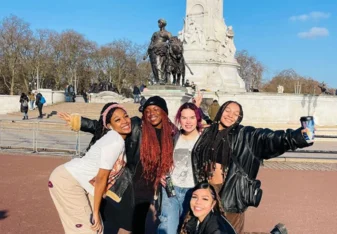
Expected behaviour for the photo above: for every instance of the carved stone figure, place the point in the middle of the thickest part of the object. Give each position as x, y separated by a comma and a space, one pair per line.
193, 34
230, 41
157, 51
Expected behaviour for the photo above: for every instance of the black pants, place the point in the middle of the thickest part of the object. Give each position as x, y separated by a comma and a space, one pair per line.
117, 215
139, 217
39, 106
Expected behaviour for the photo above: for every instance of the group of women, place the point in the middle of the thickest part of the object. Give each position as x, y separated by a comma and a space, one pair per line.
123, 174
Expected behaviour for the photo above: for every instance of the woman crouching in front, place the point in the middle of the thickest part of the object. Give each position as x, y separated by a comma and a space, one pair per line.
78, 186
206, 215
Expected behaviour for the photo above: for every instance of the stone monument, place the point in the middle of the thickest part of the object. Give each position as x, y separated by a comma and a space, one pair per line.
280, 89
209, 47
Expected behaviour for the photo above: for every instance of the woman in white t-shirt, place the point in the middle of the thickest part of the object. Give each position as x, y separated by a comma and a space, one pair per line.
174, 209
78, 186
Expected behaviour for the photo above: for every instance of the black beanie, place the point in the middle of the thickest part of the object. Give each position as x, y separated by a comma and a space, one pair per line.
157, 101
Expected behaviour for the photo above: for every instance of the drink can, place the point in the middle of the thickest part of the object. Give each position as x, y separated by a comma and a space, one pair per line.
169, 187
308, 122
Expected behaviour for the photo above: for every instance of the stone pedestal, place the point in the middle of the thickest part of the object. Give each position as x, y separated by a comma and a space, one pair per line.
209, 47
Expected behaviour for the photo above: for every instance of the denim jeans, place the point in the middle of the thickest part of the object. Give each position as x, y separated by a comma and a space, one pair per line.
136, 98
32, 104
174, 210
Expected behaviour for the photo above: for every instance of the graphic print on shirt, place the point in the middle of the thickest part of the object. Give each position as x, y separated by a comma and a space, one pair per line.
116, 171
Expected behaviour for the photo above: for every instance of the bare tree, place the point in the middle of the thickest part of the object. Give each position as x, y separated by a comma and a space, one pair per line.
50, 59
289, 79
251, 70
39, 57
15, 36
75, 50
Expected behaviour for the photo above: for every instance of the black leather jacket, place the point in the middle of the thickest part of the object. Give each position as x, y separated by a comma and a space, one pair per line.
250, 145
143, 189
212, 224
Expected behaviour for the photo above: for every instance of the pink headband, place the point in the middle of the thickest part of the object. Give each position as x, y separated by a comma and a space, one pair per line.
107, 111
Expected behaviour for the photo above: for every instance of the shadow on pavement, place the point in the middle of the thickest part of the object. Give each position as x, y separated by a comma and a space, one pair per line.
3, 214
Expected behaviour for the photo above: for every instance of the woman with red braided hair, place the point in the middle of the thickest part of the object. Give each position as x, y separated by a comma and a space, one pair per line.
149, 149
157, 143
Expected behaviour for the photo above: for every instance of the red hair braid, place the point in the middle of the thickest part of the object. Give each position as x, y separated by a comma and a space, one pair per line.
156, 160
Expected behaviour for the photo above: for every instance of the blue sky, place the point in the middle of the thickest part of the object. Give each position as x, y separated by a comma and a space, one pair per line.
282, 34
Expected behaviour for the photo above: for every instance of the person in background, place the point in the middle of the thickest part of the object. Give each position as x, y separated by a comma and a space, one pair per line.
145, 88
136, 94
39, 102
213, 109
141, 88
24, 105
206, 216
32, 100
85, 96
193, 86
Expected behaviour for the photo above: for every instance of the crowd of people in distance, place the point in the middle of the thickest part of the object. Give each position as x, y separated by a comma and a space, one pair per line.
34, 99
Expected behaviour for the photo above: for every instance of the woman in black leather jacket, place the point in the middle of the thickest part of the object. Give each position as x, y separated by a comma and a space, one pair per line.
206, 215
145, 161
228, 155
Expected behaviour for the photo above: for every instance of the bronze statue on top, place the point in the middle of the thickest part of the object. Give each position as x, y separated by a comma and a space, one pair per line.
157, 52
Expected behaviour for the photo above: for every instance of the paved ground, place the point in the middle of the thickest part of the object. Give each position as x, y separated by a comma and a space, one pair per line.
301, 195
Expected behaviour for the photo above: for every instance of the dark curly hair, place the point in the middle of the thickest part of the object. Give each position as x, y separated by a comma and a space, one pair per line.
217, 209
211, 143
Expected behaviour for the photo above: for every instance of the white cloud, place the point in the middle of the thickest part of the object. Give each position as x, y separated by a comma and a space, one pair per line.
315, 15
314, 33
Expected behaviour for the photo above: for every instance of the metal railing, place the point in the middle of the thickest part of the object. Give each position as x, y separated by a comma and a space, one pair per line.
45, 136
41, 136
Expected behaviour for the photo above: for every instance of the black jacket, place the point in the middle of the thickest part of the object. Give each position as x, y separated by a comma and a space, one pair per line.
144, 190
24, 99
38, 99
212, 224
251, 145
136, 90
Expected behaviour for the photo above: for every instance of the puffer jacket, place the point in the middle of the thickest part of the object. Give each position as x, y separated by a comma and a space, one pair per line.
143, 189
250, 145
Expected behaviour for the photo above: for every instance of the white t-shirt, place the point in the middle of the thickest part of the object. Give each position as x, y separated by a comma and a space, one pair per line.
182, 174
103, 154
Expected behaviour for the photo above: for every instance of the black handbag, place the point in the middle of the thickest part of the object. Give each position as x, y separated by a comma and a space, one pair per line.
122, 182
240, 191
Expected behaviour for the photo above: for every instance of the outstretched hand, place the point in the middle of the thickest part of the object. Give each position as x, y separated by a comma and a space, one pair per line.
65, 116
